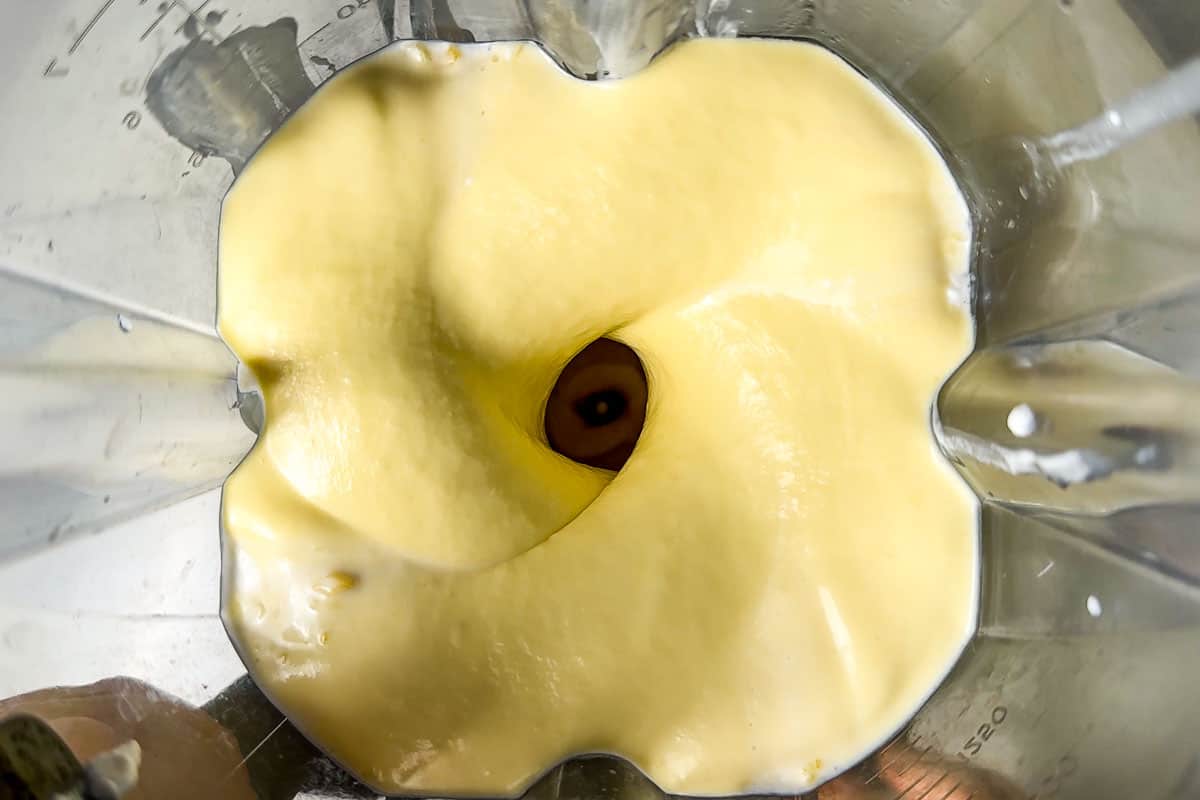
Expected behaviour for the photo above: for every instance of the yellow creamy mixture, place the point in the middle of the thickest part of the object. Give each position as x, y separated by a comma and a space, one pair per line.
783, 569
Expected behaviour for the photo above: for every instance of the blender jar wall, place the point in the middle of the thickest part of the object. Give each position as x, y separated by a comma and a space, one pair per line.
120, 139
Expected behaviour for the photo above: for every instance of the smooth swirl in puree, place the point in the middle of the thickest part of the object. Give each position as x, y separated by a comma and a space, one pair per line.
783, 569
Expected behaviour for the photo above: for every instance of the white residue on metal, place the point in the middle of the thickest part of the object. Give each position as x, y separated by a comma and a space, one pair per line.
958, 293
626, 37
1093, 606
1022, 421
1064, 467
1145, 455
1173, 97
711, 19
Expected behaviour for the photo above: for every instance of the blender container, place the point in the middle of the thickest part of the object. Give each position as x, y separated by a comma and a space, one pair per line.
1068, 122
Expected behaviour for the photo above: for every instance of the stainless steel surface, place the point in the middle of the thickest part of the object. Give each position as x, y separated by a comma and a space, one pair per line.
124, 122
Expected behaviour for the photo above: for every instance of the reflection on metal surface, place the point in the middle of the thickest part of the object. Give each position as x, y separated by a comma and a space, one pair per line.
1114, 429
224, 99
1175, 96
916, 772
434, 19
106, 412
280, 762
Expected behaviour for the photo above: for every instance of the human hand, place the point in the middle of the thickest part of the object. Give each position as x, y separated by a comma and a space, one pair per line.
185, 754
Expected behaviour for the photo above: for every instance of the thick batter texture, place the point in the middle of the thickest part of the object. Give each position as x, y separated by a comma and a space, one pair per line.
783, 569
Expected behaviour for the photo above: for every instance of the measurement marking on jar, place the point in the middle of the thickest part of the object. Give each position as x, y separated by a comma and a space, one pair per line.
193, 14
88, 28
953, 789
344, 12
190, 15
934, 785
347, 10
203, 23
157, 20
974, 744
888, 764
918, 760
54, 71
132, 120
879, 772
908, 788
314, 33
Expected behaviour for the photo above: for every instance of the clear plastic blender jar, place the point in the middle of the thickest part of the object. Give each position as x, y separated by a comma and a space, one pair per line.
1069, 124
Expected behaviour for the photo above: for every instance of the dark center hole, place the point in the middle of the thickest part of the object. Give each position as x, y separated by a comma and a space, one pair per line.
598, 406
602, 408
